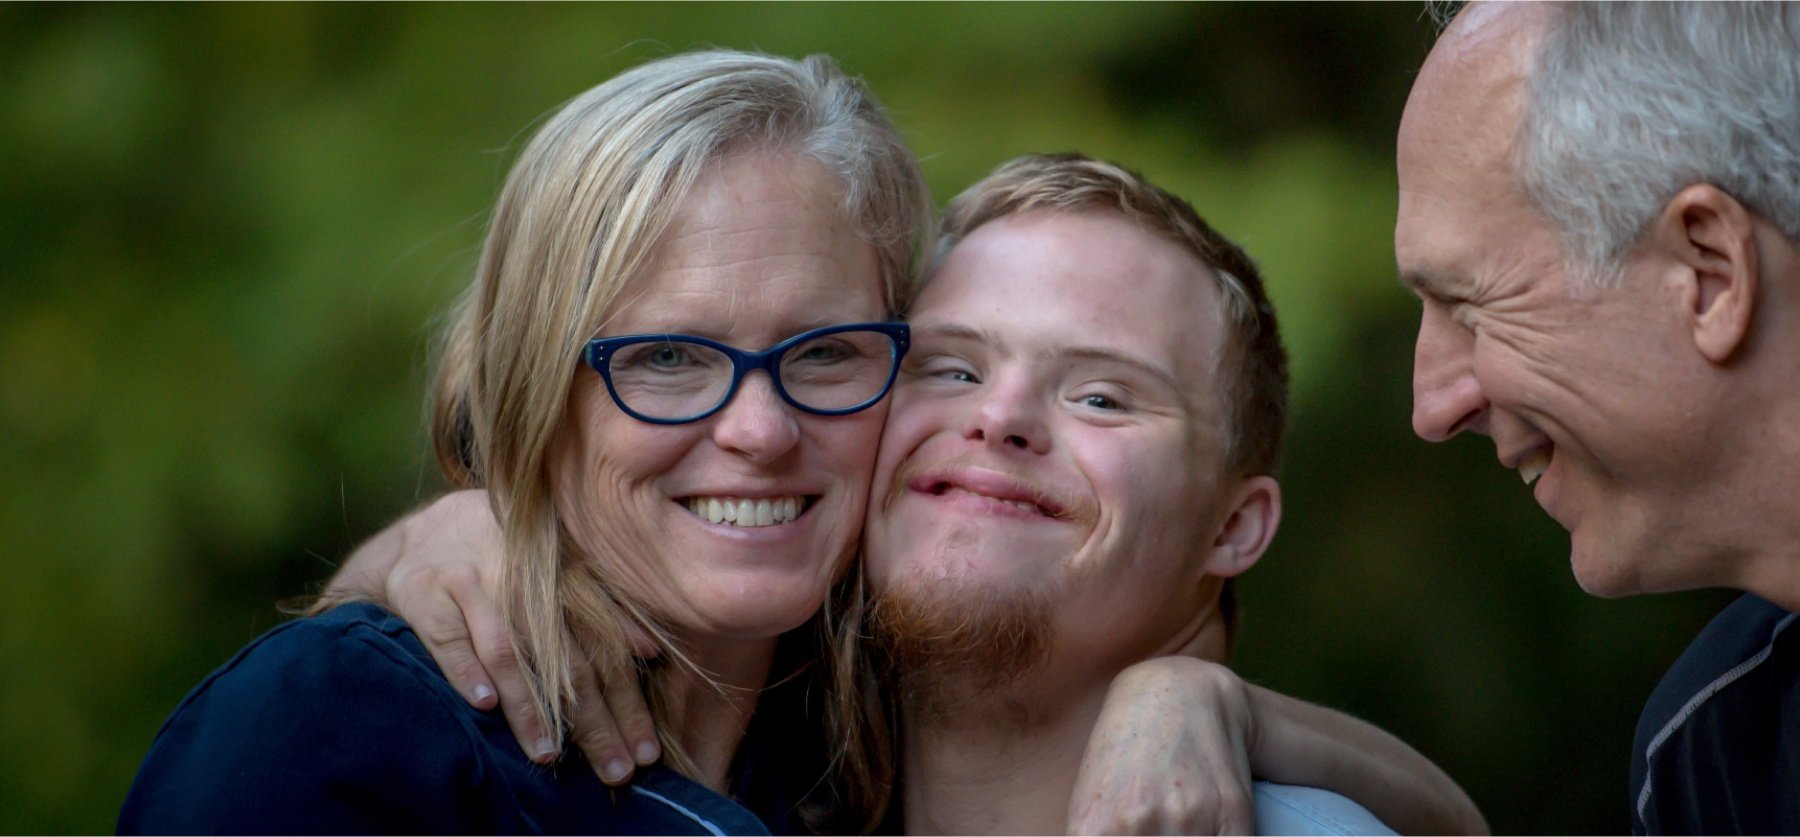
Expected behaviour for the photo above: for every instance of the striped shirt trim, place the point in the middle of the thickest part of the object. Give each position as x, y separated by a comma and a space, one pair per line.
1693, 704
683, 810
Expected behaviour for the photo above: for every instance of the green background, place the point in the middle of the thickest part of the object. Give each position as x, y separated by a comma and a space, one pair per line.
227, 232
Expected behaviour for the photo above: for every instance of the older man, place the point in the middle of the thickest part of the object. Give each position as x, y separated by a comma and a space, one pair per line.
1600, 210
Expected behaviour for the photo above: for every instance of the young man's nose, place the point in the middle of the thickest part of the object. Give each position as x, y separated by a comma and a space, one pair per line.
1009, 415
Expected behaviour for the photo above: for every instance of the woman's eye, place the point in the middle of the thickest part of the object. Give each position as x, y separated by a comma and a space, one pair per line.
824, 353
667, 357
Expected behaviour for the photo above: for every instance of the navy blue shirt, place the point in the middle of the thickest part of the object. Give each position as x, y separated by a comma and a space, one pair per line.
1718, 745
342, 723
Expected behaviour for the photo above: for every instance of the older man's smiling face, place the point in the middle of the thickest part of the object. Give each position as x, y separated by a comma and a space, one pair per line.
1058, 431
1588, 392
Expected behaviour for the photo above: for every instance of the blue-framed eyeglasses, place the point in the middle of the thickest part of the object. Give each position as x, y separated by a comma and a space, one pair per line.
680, 378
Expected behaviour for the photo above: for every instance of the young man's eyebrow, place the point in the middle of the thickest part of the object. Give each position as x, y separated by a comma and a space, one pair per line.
956, 331
1105, 355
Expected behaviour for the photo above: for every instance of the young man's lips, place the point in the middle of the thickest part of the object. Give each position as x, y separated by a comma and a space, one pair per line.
986, 505
989, 491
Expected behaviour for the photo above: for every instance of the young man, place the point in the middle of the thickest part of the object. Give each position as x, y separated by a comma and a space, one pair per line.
1080, 457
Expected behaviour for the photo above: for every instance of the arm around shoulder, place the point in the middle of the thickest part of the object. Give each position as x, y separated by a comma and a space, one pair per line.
1299, 743
1179, 740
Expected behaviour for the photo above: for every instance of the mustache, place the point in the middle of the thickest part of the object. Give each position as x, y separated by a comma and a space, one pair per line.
1071, 506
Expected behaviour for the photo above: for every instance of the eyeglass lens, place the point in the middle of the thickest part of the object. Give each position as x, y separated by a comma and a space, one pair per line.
673, 379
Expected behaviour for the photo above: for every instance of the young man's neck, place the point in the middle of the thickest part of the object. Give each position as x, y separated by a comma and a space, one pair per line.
1004, 760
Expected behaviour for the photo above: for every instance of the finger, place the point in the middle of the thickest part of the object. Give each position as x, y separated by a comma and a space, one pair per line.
625, 697
500, 658
591, 721
1086, 816
439, 622
1236, 814
1128, 810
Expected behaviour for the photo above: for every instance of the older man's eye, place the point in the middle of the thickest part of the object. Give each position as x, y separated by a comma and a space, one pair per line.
1101, 402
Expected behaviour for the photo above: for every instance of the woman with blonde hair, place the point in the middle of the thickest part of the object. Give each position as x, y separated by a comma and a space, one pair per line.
669, 376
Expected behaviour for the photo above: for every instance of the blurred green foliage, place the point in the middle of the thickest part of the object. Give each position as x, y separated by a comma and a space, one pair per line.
228, 229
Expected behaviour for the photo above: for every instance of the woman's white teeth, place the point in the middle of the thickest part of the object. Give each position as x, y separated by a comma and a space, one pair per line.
767, 511
1533, 466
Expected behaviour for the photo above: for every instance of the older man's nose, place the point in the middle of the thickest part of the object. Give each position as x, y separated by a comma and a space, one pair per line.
1010, 416
757, 424
1447, 399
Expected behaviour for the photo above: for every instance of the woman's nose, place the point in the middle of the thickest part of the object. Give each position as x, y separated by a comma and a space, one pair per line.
757, 424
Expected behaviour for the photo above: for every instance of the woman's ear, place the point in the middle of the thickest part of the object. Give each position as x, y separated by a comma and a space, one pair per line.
1711, 238
1255, 513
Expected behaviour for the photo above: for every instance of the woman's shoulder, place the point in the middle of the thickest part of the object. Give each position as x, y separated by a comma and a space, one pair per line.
355, 644
356, 654
325, 723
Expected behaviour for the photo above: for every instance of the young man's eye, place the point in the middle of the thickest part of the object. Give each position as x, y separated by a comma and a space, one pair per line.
944, 369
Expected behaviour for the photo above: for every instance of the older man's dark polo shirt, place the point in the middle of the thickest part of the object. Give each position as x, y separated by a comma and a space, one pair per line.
1718, 745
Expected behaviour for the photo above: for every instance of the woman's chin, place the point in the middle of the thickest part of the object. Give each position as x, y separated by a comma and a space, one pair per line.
757, 611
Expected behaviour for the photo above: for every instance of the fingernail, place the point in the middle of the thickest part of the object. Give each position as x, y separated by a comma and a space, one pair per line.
646, 752
615, 770
482, 692
545, 748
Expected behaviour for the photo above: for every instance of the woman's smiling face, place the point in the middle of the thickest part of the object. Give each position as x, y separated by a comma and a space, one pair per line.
759, 251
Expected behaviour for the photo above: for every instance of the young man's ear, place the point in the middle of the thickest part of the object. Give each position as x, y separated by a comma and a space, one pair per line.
1255, 513
1711, 237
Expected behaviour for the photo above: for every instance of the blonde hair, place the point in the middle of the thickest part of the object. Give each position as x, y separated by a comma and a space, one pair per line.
580, 216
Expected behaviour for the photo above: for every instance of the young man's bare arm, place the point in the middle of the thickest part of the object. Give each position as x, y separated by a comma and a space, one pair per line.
1188, 717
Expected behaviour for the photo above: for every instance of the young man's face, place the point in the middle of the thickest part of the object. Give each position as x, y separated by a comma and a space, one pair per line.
1057, 437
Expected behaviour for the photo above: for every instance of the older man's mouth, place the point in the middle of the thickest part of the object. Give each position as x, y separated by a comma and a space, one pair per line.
1534, 464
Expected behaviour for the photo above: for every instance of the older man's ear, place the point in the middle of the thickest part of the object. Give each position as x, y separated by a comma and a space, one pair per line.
1710, 240
1255, 513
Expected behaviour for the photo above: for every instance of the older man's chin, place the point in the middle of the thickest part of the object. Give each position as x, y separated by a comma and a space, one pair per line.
1629, 558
